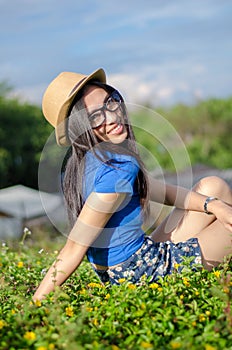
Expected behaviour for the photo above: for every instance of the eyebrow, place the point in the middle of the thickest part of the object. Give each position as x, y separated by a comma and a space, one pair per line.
104, 101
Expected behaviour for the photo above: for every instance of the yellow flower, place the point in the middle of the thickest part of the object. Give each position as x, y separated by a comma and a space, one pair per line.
143, 277
13, 311
202, 318
114, 347
197, 293
94, 284
20, 264
186, 282
41, 348
175, 344
217, 273
160, 289
143, 306
82, 291
207, 313
154, 285
194, 323
2, 324
107, 296
69, 311
131, 286
181, 297
95, 322
29, 336
51, 346
176, 266
121, 280
209, 347
37, 303
146, 345
89, 309
226, 290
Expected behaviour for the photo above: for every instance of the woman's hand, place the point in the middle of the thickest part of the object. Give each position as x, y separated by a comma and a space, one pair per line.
222, 211
67, 261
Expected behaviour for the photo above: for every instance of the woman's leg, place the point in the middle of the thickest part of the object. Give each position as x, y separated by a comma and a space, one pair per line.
216, 243
180, 225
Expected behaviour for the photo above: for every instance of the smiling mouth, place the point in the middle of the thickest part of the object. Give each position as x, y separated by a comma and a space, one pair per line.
116, 130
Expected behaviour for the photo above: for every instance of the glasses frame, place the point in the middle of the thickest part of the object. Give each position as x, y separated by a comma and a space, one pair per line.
104, 108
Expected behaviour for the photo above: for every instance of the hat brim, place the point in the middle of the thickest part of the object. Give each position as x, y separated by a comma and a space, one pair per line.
61, 128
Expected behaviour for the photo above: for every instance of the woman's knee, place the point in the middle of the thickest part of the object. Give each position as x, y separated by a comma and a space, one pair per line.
213, 186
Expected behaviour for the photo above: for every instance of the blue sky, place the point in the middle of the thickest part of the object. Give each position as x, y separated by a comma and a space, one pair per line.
159, 51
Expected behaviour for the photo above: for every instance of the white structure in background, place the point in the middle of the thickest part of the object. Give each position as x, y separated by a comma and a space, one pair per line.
20, 204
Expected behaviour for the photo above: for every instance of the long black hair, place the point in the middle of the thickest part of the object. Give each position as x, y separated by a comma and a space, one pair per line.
83, 140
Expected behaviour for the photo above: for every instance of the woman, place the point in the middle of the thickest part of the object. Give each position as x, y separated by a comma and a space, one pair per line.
107, 192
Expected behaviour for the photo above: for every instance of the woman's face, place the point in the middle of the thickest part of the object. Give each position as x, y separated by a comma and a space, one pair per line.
104, 109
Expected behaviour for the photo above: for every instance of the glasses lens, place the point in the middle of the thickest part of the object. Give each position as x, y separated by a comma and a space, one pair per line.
96, 119
113, 102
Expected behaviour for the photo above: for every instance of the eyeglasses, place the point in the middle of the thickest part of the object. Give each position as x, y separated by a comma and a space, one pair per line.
111, 104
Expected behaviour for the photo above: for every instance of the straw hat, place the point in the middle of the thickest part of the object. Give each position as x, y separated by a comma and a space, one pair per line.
58, 97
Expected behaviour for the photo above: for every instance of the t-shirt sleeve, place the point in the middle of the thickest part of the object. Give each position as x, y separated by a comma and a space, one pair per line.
119, 178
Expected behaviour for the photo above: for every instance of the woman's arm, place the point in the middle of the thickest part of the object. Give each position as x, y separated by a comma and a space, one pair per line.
177, 196
183, 198
95, 213
67, 261
168, 194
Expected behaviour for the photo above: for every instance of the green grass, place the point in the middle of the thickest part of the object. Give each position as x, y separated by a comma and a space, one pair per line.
183, 311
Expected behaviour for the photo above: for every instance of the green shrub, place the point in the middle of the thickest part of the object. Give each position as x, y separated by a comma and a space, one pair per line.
182, 311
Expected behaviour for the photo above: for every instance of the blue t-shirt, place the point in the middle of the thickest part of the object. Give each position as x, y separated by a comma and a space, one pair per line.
123, 234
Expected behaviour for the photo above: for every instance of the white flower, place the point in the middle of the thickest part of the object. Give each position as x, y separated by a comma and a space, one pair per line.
126, 274
131, 273
119, 268
198, 260
160, 270
26, 231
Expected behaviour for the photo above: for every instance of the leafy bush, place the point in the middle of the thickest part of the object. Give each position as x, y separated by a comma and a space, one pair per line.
23, 133
182, 311
205, 129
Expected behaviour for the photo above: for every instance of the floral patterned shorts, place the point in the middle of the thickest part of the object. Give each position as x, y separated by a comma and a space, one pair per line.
153, 260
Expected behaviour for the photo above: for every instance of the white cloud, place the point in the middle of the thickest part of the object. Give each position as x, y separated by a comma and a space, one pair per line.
137, 89
165, 93
156, 51
31, 94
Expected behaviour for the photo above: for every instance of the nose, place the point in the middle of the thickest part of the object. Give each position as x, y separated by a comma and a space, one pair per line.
110, 117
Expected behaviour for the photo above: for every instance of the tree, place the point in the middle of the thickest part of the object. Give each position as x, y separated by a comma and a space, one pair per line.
23, 132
